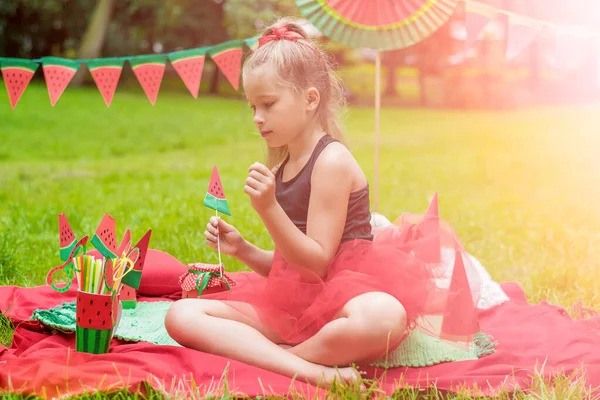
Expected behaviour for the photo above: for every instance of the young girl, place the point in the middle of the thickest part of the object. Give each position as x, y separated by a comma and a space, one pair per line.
332, 294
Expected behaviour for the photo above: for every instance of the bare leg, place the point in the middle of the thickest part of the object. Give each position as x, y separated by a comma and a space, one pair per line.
215, 327
369, 326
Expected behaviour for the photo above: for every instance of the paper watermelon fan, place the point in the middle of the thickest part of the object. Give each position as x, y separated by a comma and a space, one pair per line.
377, 24
215, 196
380, 25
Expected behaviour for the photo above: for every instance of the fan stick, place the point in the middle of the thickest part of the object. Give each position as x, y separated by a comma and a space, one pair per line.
377, 112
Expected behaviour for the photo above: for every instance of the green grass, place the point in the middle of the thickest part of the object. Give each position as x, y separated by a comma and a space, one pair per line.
520, 188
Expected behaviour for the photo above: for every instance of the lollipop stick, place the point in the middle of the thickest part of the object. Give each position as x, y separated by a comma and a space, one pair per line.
219, 245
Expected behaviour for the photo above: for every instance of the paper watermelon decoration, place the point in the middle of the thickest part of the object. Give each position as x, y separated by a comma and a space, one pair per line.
133, 278
106, 73
67, 237
128, 297
105, 237
228, 57
125, 245
189, 65
67, 266
58, 73
149, 71
17, 73
460, 317
215, 196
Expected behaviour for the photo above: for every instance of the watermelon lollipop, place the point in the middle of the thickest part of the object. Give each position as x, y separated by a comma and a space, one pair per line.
215, 197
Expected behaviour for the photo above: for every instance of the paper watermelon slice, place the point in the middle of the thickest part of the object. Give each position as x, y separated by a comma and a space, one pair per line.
17, 73
189, 65
149, 71
58, 73
215, 196
228, 57
460, 321
125, 245
105, 237
134, 277
128, 297
106, 73
67, 237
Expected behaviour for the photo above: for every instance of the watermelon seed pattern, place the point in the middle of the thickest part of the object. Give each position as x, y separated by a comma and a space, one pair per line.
191, 72
147, 79
217, 190
110, 239
16, 79
66, 233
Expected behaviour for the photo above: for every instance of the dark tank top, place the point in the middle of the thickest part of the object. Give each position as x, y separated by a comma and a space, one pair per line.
294, 197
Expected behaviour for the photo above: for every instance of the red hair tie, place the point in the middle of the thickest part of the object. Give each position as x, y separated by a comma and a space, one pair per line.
278, 34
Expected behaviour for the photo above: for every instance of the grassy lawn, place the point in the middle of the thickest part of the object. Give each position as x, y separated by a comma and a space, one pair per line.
520, 188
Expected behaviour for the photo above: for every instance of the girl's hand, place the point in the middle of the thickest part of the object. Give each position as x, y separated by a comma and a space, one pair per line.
260, 186
231, 241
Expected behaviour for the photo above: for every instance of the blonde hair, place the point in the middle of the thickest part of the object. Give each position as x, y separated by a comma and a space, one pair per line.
302, 64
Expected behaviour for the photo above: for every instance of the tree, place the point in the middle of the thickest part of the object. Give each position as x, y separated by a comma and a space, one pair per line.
94, 36
244, 18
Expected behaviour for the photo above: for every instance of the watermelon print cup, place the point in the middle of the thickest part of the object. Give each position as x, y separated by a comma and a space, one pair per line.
97, 318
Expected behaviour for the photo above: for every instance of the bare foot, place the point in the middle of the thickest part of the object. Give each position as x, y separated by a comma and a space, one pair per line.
348, 375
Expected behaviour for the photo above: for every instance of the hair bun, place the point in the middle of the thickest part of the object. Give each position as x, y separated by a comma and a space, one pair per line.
291, 24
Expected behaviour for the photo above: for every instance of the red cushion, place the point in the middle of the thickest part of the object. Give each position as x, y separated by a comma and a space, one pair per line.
160, 274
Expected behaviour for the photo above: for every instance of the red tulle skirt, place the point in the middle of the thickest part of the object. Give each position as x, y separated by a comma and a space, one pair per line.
418, 260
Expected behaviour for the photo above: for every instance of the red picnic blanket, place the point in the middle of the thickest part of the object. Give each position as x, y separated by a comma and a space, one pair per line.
45, 363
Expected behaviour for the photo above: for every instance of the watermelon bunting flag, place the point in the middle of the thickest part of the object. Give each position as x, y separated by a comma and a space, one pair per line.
215, 196
149, 71
17, 74
252, 43
106, 73
228, 57
189, 65
58, 73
